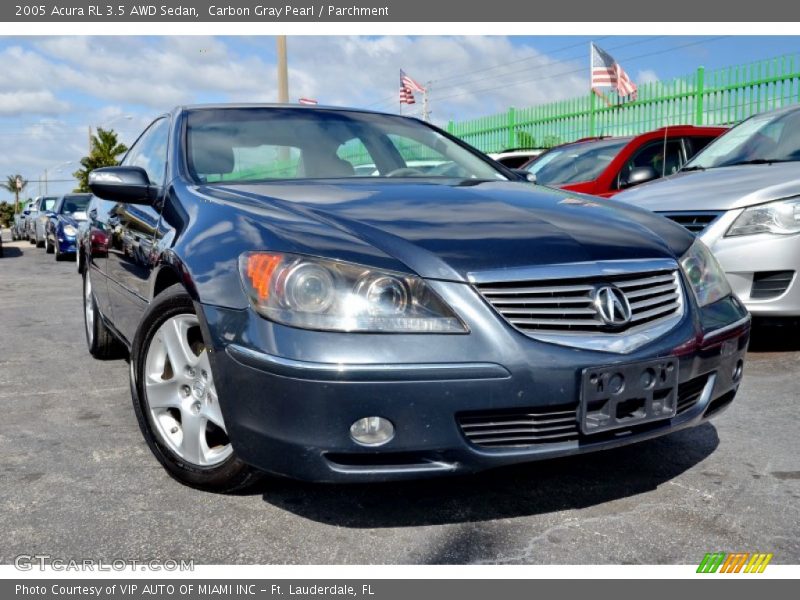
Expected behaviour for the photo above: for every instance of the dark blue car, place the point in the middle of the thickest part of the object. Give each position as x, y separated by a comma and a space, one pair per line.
62, 225
287, 311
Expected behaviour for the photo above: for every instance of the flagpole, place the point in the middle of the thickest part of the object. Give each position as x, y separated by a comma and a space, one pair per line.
399, 95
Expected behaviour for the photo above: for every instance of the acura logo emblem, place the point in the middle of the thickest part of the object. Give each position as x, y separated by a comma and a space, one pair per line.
612, 305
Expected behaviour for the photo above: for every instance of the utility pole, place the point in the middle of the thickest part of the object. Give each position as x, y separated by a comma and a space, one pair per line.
283, 88
283, 71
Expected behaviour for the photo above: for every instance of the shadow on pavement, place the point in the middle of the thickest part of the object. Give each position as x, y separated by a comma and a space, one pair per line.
11, 252
523, 490
775, 336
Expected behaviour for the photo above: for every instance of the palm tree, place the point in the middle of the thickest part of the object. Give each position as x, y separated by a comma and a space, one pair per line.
105, 152
15, 184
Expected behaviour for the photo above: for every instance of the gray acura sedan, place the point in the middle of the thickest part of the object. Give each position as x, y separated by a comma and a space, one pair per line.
741, 197
285, 311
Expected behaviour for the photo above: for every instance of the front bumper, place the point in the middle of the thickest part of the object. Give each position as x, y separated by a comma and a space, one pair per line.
66, 245
747, 258
290, 396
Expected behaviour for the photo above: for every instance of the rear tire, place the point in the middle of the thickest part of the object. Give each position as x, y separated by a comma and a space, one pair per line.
101, 342
48, 248
185, 431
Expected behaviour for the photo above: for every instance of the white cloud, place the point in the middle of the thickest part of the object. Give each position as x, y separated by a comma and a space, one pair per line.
102, 80
35, 102
646, 76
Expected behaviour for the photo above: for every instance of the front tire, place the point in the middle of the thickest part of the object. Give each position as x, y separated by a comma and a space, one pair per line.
48, 247
176, 401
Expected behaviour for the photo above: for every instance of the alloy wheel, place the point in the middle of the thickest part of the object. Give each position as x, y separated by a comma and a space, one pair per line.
180, 394
88, 307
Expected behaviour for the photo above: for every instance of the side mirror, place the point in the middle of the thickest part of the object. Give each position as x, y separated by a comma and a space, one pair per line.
129, 185
640, 175
525, 175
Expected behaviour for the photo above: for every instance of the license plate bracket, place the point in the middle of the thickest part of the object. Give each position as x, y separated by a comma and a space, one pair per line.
620, 396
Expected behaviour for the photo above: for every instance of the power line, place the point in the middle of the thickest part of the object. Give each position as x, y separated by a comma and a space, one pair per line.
513, 62
551, 63
581, 70
497, 66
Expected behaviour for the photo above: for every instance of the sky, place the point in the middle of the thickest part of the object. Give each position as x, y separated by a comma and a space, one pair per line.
55, 88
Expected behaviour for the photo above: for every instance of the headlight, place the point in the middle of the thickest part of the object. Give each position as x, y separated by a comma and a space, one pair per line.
70, 230
782, 217
706, 277
314, 293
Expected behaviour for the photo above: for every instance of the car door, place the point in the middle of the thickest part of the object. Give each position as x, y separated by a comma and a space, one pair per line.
50, 224
46, 207
96, 248
132, 230
665, 156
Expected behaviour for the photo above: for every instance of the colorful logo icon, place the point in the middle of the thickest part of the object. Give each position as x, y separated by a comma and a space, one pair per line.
736, 562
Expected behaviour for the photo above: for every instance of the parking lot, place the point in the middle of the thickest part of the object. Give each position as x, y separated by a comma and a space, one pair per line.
79, 482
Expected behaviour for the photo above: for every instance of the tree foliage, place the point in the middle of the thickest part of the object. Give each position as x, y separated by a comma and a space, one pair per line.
11, 185
105, 152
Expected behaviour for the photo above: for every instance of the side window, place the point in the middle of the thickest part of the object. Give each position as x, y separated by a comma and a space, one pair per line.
150, 151
665, 159
355, 152
695, 144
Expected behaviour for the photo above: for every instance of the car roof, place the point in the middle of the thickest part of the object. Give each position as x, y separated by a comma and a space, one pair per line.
310, 107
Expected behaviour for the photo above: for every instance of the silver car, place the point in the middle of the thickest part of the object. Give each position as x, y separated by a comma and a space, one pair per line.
741, 196
37, 224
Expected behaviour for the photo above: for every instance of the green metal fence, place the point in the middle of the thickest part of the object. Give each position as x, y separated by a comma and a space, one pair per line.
719, 97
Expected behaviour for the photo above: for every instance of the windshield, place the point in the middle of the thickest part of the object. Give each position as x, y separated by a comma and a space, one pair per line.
251, 144
582, 161
760, 139
74, 204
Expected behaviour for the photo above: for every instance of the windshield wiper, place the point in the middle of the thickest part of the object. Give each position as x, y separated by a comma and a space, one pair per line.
758, 161
693, 168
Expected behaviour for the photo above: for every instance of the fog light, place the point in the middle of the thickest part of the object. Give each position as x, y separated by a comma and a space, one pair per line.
372, 431
737, 370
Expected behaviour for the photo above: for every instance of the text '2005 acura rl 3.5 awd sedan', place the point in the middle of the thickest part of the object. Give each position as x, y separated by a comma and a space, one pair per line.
284, 314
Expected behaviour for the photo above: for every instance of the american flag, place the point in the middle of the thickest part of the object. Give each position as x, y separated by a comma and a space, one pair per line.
606, 72
406, 81
407, 88
406, 96
307, 101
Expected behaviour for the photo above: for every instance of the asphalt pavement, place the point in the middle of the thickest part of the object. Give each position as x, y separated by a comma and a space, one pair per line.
79, 482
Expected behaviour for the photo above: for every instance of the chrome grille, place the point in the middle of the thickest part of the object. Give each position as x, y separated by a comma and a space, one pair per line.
568, 305
694, 221
521, 427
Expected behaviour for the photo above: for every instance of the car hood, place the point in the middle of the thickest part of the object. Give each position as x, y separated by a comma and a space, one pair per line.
73, 220
722, 188
448, 231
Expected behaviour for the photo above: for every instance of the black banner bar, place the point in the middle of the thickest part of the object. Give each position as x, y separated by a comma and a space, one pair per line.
316, 11
390, 589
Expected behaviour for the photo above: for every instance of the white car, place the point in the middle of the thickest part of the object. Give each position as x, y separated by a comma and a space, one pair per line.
516, 157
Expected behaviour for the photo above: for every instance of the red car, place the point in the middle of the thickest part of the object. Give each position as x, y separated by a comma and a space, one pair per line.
605, 166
